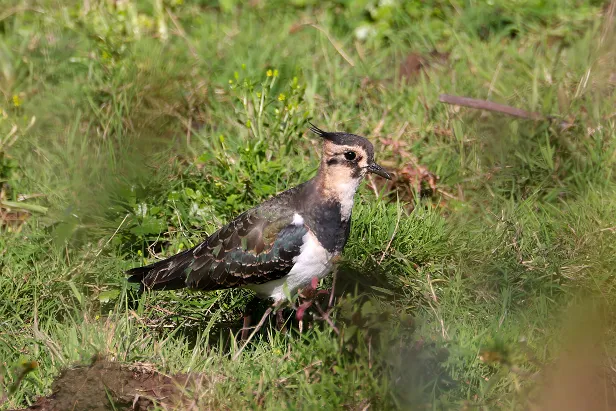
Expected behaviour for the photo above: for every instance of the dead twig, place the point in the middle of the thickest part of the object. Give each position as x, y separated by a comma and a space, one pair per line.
489, 105
499, 108
331, 40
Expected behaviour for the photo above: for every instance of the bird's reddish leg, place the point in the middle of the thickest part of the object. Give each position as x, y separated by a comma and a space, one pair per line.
246, 326
280, 321
249, 310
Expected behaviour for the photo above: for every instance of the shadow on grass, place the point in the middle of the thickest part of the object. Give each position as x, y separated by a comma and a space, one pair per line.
367, 328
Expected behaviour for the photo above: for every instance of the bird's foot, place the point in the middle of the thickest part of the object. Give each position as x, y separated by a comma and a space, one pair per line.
280, 321
254, 331
252, 309
309, 297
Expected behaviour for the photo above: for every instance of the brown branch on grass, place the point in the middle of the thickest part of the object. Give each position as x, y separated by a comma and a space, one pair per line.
499, 108
489, 105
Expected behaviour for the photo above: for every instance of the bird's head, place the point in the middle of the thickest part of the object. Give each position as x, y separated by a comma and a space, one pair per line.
348, 157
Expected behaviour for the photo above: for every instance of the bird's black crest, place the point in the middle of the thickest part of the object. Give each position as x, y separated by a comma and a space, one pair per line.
344, 139
321, 133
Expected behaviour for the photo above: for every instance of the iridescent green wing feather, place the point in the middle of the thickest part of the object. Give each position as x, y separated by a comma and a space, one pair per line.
255, 248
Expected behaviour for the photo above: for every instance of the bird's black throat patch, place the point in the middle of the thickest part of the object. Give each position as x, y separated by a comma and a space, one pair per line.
325, 218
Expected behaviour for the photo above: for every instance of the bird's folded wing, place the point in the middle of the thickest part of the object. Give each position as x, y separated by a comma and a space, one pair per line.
252, 249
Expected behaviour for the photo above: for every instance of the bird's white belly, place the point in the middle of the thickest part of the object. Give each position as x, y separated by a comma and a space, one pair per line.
313, 261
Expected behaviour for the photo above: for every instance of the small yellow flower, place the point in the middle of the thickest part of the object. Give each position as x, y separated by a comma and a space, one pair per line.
269, 73
276, 73
281, 97
248, 124
230, 81
29, 366
16, 100
258, 94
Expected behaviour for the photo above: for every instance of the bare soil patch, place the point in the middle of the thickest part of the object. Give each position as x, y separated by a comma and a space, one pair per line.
107, 385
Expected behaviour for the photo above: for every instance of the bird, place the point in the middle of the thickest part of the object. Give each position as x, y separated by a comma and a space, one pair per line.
280, 245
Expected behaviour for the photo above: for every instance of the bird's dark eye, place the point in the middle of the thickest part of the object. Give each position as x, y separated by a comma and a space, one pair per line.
350, 155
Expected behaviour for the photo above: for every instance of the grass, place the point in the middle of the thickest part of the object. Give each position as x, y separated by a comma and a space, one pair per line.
130, 131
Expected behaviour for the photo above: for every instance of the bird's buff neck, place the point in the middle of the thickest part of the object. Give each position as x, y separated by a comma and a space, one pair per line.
337, 183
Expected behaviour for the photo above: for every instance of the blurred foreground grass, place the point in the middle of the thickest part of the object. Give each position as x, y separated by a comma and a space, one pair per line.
130, 130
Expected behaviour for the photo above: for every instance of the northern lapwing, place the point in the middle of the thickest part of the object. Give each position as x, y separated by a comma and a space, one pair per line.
284, 242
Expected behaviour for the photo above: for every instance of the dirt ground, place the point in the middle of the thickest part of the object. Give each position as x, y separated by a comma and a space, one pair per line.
106, 385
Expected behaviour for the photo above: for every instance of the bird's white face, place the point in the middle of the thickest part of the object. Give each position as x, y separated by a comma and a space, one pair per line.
345, 162
343, 166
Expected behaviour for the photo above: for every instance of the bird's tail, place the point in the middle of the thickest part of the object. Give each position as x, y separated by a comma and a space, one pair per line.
169, 274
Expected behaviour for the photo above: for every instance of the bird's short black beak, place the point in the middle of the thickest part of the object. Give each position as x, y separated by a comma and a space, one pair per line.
377, 169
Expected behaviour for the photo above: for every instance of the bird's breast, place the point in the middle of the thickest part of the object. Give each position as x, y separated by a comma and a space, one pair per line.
314, 260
